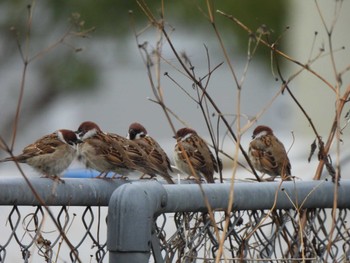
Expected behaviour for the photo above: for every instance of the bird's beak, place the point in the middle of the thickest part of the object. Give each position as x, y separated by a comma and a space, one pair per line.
79, 137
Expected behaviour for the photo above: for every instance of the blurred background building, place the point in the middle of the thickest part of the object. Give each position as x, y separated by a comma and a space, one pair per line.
85, 64
96, 71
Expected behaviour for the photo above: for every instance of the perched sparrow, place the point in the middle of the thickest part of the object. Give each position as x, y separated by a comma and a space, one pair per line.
101, 152
135, 154
108, 152
51, 154
156, 155
198, 153
268, 154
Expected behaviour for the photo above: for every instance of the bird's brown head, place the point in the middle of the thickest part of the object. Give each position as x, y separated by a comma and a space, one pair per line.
68, 136
136, 131
88, 129
262, 130
184, 133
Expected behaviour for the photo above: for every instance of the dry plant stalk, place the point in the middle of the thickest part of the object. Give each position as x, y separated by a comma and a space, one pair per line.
157, 90
187, 69
27, 59
204, 100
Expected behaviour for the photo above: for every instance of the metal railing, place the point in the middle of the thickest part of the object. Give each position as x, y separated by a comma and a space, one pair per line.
94, 220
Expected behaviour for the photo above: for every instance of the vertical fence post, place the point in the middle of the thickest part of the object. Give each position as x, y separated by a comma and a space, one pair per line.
133, 208
130, 220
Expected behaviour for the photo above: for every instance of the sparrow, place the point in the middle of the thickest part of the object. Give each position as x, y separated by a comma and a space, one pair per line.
51, 154
268, 154
109, 152
102, 152
157, 157
198, 154
135, 154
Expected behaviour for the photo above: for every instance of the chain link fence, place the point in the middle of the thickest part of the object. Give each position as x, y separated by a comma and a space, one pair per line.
259, 236
311, 234
29, 235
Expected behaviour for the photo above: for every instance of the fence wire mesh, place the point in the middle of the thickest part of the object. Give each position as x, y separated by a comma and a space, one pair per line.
313, 235
259, 236
29, 235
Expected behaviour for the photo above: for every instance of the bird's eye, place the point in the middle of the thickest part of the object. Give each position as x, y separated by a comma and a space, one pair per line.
81, 132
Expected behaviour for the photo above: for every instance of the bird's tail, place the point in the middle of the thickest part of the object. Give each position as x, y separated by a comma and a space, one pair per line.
210, 179
19, 159
6, 159
168, 178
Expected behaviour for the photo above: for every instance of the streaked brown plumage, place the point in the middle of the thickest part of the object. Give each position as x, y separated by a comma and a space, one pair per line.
109, 152
101, 152
268, 154
157, 157
200, 157
51, 154
135, 153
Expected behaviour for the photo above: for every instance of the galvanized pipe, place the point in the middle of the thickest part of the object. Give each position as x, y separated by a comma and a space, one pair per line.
256, 196
131, 214
133, 207
74, 192
184, 197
